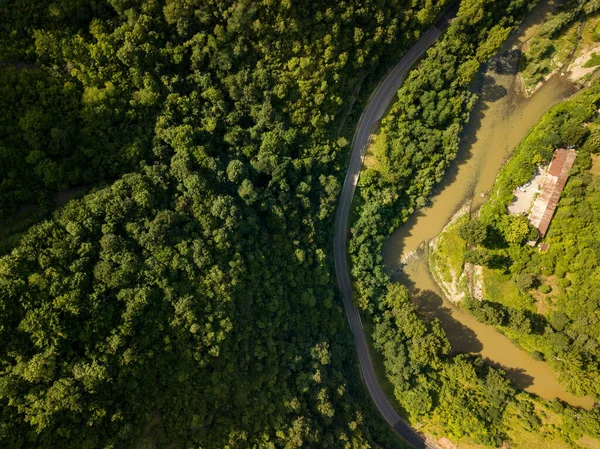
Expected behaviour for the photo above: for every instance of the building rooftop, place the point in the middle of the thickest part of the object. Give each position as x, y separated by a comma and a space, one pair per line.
552, 186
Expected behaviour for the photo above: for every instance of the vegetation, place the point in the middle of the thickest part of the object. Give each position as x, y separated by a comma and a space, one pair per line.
555, 42
463, 396
567, 328
459, 396
452, 245
593, 61
544, 301
188, 300
548, 424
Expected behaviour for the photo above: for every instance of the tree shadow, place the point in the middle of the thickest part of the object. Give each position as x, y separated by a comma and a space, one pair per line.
495, 239
431, 306
506, 62
492, 91
499, 262
539, 322
517, 376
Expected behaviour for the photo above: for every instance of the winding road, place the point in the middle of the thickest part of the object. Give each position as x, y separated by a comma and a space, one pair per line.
377, 105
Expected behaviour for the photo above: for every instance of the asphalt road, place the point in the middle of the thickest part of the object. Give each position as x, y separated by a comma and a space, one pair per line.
377, 105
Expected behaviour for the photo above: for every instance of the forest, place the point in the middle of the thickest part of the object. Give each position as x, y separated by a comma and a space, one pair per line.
188, 299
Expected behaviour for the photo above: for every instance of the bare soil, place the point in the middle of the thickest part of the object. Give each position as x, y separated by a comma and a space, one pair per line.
577, 69
595, 169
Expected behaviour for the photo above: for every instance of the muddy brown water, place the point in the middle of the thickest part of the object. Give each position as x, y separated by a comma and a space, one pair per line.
466, 334
498, 123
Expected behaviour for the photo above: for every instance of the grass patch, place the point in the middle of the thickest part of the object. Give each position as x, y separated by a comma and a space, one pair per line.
448, 258
527, 342
554, 430
589, 442
544, 296
591, 31
593, 61
544, 56
595, 168
375, 150
499, 287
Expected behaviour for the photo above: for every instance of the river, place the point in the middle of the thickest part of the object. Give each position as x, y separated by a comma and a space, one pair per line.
498, 123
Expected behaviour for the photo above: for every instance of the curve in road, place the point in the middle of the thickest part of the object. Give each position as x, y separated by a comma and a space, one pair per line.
373, 112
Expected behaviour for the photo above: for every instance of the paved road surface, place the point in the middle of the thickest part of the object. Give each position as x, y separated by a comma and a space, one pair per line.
376, 106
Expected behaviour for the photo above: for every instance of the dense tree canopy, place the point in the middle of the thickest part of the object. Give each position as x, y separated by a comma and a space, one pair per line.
189, 298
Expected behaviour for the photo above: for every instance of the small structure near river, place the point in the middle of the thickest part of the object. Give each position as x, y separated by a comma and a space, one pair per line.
550, 189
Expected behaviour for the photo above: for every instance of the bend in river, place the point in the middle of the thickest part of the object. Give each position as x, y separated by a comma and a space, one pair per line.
499, 122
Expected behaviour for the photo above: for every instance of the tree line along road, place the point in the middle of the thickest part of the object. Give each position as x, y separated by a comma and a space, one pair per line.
378, 102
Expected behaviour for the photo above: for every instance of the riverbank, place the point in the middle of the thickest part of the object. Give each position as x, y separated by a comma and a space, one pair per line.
446, 390
450, 272
565, 45
539, 298
485, 146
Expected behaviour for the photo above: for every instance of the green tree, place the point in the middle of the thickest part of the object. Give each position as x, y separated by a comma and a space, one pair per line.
515, 228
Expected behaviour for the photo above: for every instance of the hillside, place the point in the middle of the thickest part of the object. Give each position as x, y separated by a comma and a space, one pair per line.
188, 299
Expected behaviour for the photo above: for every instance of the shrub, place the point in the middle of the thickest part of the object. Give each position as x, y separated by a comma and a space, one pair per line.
518, 321
515, 228
559, 320
537, 355
478, 257
524, 280
545, 289
474, 232
564, 283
